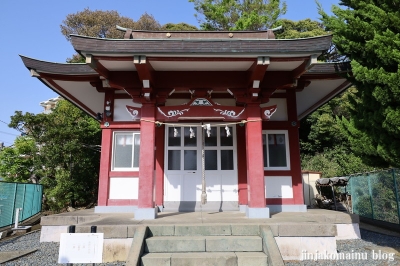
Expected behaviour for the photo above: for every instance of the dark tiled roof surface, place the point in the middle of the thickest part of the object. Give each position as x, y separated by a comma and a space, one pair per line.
209, 46
324, 68
57, 68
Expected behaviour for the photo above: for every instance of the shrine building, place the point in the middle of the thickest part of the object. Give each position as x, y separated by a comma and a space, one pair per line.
197, 121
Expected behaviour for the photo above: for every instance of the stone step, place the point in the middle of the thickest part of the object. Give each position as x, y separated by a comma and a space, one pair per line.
205, 259
205, 230
161, 244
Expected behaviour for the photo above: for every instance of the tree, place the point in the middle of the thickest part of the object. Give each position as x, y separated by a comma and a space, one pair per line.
179, 27
17, 161
100, 24
299, 29
238, 14
146, 22
61, 150
368, 32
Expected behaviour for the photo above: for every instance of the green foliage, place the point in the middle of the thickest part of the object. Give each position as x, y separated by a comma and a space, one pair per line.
60, 150
299, 29
17, 162
324, 143
335, 161
322, 129
178, 27
146, 22
368, 32
100, 24
238, 14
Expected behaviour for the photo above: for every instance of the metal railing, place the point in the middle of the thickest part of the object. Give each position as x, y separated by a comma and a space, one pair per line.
375, 195
27, 197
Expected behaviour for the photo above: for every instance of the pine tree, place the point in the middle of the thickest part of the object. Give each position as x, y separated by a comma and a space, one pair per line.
368, 33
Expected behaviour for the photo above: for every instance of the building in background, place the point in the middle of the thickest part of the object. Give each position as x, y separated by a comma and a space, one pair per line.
50, 104
197, 120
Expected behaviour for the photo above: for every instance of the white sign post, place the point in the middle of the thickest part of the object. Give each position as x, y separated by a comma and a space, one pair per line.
81, 248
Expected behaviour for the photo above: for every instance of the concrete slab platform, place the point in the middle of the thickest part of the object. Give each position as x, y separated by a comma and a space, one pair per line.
89, 217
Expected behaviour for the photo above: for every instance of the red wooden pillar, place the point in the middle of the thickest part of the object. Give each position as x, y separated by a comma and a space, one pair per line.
242, 166
255, 164
104, 180
160, 165
146, 164
294, 142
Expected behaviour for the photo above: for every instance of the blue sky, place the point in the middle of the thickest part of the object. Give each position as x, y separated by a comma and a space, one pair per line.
32, 28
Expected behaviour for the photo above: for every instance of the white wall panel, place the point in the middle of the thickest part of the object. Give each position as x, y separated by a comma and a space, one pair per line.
281, 111
120, 112
278, 187
124, 188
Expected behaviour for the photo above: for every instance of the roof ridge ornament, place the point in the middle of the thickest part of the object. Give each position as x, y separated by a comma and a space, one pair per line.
128, 32
270, 32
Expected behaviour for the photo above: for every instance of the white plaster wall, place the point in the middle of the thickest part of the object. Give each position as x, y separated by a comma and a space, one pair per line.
309, 188
120, 112
278, 187
124, 188
281, 111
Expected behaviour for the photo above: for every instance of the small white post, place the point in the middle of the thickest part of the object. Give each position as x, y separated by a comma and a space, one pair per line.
17, 217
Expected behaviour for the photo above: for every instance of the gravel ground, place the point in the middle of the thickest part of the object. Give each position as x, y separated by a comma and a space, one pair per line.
368, 248
46, 255
371, 243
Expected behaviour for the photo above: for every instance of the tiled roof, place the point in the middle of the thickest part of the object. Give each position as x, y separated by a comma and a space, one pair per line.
199, 45
57, 68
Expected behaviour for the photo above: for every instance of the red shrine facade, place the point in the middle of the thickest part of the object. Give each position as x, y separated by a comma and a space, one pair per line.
197, 121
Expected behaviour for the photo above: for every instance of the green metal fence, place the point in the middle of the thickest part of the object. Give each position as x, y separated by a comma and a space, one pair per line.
28, 197
375, 195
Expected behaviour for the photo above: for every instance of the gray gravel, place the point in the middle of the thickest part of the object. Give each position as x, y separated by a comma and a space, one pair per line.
370, 244
47, 253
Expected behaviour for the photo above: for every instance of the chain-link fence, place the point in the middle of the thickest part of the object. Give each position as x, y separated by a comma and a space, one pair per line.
28, 197
375, 195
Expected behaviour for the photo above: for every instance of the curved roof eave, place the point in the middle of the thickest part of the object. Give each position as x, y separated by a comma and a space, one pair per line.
330, 67
57, 68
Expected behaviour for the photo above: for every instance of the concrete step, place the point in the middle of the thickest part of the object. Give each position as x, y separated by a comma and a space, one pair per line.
161, 244
205, 259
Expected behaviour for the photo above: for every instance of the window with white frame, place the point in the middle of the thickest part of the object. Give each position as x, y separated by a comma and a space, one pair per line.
276, 150
126, 149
